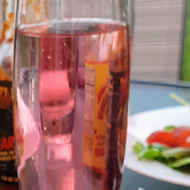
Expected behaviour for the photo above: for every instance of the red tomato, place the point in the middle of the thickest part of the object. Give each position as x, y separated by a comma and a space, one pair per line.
187, 143
161, 137
182, 136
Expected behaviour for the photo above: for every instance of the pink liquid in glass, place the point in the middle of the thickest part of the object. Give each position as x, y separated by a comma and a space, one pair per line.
72, 86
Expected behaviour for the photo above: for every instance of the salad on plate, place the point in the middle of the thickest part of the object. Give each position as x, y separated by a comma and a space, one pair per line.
170, 146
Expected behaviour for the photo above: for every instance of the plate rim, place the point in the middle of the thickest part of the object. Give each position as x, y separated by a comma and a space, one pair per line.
147, 174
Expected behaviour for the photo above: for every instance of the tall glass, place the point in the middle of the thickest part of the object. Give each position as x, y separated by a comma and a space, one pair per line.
71, 88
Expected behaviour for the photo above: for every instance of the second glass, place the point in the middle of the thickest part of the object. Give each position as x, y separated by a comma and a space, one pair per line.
71, 88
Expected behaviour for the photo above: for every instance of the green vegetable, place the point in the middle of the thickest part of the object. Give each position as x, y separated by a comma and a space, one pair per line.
169, 128
181, 162
138, 147
158, 146
149, 153
176, 153
180, 99
173, 157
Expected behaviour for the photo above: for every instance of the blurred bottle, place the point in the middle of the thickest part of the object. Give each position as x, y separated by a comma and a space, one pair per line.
106, 96
7, 154
96, 97
118, 95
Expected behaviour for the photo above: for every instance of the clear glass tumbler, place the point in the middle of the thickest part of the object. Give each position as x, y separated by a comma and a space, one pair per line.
71, 88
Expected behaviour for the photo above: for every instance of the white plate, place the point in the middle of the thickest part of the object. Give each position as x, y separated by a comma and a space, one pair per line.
140, 127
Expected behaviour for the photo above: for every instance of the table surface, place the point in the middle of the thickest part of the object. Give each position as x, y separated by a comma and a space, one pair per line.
145, 96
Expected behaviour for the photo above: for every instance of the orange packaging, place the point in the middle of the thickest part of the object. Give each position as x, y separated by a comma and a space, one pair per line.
7, 153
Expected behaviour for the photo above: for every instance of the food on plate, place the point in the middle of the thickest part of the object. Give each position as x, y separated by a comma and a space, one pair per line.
162, 137
182, 136
171, 137
170, 146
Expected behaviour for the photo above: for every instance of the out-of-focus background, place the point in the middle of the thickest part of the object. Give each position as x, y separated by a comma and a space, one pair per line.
160, 40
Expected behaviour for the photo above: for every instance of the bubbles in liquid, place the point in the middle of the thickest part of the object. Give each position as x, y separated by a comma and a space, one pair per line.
49, 57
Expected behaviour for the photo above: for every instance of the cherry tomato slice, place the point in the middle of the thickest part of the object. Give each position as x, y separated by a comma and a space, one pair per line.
187, 142
182, 136
161, 137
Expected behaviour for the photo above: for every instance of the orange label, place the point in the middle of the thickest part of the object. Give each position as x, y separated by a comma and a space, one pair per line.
95, 124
